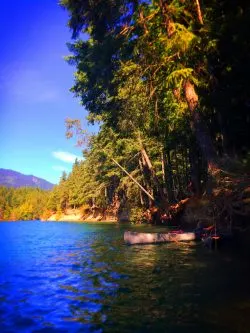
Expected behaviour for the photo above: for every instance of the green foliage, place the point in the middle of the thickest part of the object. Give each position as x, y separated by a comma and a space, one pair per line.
22, 203
137, 216
132, 74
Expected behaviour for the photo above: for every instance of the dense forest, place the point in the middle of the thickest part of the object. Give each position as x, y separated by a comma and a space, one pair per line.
24, 203
167, 81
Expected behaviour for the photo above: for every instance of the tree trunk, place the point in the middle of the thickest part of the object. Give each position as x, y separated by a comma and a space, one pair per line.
142, 199
153, 174
164, 169
185, 154
198, 127
195, 186
178, 183
169, 172
144, 202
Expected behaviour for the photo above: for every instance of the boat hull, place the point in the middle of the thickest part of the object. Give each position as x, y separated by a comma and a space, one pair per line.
131, 237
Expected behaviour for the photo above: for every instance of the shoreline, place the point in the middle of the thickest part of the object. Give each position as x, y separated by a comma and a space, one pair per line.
68, 221
75, 215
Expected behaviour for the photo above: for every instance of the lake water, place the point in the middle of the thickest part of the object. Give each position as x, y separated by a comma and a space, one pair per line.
73, 277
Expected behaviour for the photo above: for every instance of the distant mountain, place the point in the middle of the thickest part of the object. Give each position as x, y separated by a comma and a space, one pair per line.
10, 178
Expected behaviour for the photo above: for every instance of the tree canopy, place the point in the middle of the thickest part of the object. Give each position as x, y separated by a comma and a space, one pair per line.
168, 82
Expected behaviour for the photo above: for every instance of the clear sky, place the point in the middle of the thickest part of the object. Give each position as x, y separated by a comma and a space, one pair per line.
34, 89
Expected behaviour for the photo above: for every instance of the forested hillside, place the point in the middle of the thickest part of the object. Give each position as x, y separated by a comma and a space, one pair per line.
168, 83
10, 178
24, 203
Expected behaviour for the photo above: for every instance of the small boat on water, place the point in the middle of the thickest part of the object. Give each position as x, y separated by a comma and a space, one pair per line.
132, 237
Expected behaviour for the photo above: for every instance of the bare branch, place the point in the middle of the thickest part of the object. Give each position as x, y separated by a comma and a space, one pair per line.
198, 10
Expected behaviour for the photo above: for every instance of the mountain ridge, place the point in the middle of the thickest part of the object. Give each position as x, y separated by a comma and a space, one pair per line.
15, 179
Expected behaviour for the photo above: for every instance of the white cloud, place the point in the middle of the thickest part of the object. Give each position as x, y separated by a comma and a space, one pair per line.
66, 157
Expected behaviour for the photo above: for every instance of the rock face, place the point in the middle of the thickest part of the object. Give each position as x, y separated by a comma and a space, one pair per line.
10, 178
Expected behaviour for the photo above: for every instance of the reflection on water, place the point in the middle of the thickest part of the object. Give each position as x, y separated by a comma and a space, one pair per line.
71, 277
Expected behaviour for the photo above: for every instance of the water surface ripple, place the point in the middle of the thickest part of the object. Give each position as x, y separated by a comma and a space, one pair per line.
72, 277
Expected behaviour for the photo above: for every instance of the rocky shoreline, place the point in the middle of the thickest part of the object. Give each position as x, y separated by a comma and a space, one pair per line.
75, 215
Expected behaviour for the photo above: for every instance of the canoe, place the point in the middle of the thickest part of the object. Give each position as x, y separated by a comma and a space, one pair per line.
132, 237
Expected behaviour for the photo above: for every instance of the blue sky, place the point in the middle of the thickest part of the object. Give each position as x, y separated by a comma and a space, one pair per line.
34, 89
